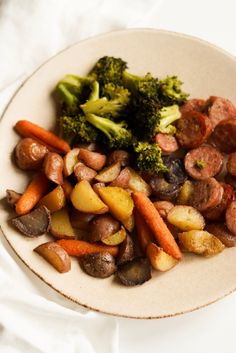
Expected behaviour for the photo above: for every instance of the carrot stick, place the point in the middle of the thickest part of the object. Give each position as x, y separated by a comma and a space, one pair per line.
156, 224
28, 129
33, 193
144, 234
81, 247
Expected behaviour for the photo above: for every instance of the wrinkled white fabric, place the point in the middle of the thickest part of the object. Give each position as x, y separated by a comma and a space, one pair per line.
33, 317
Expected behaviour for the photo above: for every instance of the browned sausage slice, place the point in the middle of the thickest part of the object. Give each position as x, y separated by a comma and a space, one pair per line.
193, 128
230, 217
193, 104
220, 109
167, 143
224, 135
203, 162
221, 232
217, 212
229, 179
231, 164
206, 194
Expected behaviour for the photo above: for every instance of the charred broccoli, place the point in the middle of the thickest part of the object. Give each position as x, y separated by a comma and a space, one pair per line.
116, 135
171, 91
76, 129
72, 91
108, 70
148, 158
146, 86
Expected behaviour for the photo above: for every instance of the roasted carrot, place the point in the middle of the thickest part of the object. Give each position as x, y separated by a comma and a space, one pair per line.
27, 129
156, 224
37, 188
81, 247
144, 234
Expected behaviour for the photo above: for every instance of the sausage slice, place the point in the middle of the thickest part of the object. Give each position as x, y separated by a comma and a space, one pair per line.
206, 194
220, 109
203, 162
216, 212
193, 104
193, 128
220, 231
230, 217
224, 135
167, 143
231, 164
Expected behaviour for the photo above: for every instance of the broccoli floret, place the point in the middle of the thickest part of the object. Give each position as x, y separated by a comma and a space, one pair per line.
148, 158
147, 85
76, 129
167, 116
171, 91
72, 91
112, 105
108, 69
116, 135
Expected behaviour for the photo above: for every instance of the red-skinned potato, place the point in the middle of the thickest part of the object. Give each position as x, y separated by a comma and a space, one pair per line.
70, 160
53, 167
91, 159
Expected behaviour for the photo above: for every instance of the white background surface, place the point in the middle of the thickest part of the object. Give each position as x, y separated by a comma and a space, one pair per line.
30, 32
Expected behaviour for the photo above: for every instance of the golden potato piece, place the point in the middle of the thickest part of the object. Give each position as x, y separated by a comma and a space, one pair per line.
85, 199
54, 254
136, 183
129, 223
159, 259
61, 227
109, 174
116, 238
200, 242
185, 193
118, 200
186, 218
54, 200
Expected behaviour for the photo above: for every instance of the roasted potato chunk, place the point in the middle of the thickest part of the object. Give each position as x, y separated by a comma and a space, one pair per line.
200, 242
54, 254
109, 173
185, 193
100, 265
85, 199
61, 227
159, 259
116, 238
70, 160
186, 218
54, 200
136, 183
118, 200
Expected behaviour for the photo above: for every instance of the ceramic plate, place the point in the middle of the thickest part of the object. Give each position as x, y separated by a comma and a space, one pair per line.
205, 70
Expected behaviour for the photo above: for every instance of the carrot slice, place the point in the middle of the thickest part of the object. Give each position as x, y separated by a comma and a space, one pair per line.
156, 224
81, 247
144, 234
28, 129
37, 188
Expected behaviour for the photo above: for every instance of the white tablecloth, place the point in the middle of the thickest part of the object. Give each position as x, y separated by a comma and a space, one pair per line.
33, 318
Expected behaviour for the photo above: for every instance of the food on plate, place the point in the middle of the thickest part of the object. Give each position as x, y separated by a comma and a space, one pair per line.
186, 218
100, 265
34, 192
61, 227
118, 200
85, 199
201, 242
12, 197
126, 250
102, 227
35, 223
54, 200
82, 172
55, 255
134, 272
53, 167
203, 162
109, 174
29, 154
70, 160
159, 259
137, 169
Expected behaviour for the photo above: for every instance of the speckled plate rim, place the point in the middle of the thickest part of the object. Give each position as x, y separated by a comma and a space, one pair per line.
103, 35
